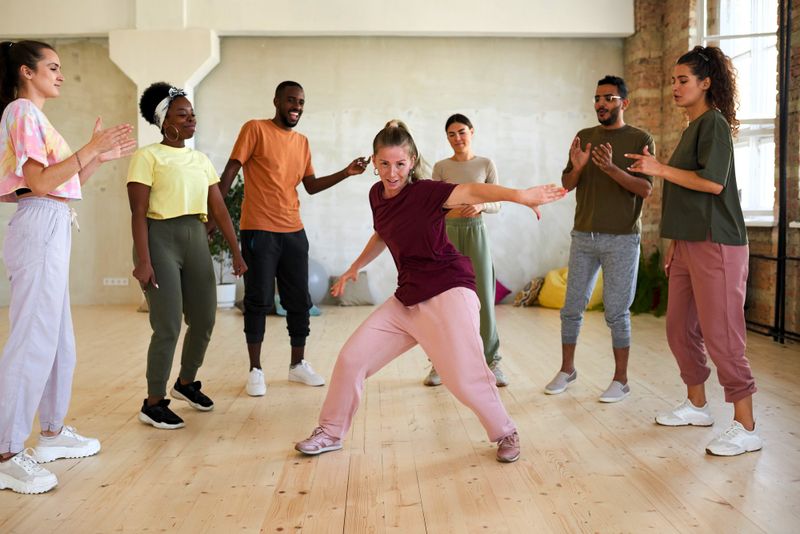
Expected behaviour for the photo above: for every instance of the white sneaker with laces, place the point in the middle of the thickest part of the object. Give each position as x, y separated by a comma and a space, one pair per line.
686, 414
256, 387
303, 373
735, 441
22, 474
67, 444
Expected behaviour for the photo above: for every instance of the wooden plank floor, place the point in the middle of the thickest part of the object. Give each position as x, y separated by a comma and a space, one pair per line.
415, 460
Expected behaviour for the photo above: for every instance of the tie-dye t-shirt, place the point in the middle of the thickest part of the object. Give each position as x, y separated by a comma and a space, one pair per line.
25, 133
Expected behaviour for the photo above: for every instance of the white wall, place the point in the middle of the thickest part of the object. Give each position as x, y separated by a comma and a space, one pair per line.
528, 18
526, 97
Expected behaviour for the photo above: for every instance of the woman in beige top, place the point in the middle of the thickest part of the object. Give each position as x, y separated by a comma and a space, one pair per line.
467, 232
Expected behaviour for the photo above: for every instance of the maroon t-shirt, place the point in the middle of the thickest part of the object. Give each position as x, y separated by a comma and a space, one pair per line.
412, 226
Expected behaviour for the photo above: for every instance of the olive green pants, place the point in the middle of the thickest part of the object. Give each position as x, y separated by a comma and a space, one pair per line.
469, 236
186, 289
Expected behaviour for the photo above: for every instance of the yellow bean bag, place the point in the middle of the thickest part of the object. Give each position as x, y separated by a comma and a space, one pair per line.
554, 290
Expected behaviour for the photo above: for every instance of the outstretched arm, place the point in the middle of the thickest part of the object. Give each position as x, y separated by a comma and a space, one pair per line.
533, 197
372, 250
646, 163
314, 185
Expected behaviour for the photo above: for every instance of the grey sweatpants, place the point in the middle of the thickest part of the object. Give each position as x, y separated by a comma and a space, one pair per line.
618, 255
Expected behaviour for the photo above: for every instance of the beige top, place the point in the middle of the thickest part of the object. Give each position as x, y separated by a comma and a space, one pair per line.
478, 170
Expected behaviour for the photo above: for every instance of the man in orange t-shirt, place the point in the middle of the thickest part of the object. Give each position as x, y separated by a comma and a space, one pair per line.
276, 160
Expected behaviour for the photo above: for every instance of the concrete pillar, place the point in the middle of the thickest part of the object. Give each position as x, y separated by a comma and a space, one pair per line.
161, 48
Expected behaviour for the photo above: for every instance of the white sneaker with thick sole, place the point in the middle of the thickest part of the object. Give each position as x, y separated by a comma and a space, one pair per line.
22, 474
303, 373
735, 441
686, 414
256, 387
67, 444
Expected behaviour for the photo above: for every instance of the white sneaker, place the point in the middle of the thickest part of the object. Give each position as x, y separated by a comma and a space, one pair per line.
22, 474
67, 444
735, 441
685, 414
256, 387
302, 372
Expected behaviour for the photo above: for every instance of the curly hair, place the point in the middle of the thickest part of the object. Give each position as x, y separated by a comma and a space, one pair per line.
150, 99
711, 62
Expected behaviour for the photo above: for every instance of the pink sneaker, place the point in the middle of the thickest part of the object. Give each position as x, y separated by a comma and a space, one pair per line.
508, 448
319, 442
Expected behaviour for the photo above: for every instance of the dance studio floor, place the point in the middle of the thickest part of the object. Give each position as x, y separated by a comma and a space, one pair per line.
415, 460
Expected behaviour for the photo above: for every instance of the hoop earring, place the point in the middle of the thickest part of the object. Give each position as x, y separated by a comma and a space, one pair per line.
375, 172
177, 133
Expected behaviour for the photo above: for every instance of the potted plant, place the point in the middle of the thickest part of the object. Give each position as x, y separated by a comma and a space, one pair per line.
226, 292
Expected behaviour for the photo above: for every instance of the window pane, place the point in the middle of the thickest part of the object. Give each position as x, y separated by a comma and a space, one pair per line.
756, 62
755, 169
727, 17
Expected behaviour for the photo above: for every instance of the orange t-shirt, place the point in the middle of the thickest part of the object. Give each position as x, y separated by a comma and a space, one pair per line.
275, 161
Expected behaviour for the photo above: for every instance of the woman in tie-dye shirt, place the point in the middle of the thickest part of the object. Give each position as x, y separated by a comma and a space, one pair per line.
41, 174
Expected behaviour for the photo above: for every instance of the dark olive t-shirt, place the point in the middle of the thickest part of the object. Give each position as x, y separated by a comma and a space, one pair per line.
413, 228
603, 205
706, 147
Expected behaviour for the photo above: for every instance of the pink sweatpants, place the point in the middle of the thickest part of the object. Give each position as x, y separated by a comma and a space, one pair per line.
705, 315
447, 328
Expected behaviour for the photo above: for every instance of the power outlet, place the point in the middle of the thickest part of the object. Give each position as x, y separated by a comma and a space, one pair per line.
115, 281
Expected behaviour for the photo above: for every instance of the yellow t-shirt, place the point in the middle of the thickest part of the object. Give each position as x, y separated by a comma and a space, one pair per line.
179, 179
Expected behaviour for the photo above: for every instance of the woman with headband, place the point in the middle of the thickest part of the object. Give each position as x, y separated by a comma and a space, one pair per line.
172, 189
707, 259
42, 175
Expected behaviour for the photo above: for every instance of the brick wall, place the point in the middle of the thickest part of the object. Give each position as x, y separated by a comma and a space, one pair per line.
664, 31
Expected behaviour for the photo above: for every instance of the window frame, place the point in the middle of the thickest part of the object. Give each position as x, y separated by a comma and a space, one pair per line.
757, 216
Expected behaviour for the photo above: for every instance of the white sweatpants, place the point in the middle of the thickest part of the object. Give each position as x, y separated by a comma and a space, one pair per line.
39, 357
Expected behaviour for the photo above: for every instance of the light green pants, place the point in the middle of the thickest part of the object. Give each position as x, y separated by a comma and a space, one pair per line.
186, 288
469, 236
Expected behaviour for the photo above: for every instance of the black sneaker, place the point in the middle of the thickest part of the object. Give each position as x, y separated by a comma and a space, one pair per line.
191, 393
160, 416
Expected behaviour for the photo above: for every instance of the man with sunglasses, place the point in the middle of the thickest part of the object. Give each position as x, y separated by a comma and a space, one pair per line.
606, 232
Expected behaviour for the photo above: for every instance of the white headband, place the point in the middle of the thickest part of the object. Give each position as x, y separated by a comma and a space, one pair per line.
161, 109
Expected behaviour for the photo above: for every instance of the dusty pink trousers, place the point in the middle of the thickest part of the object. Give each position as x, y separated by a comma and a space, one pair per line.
447, 328
705, 315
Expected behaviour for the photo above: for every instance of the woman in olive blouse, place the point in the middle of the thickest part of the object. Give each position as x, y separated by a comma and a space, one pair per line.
707, 259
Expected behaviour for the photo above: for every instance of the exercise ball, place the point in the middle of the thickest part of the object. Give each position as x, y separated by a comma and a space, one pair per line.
317, 281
